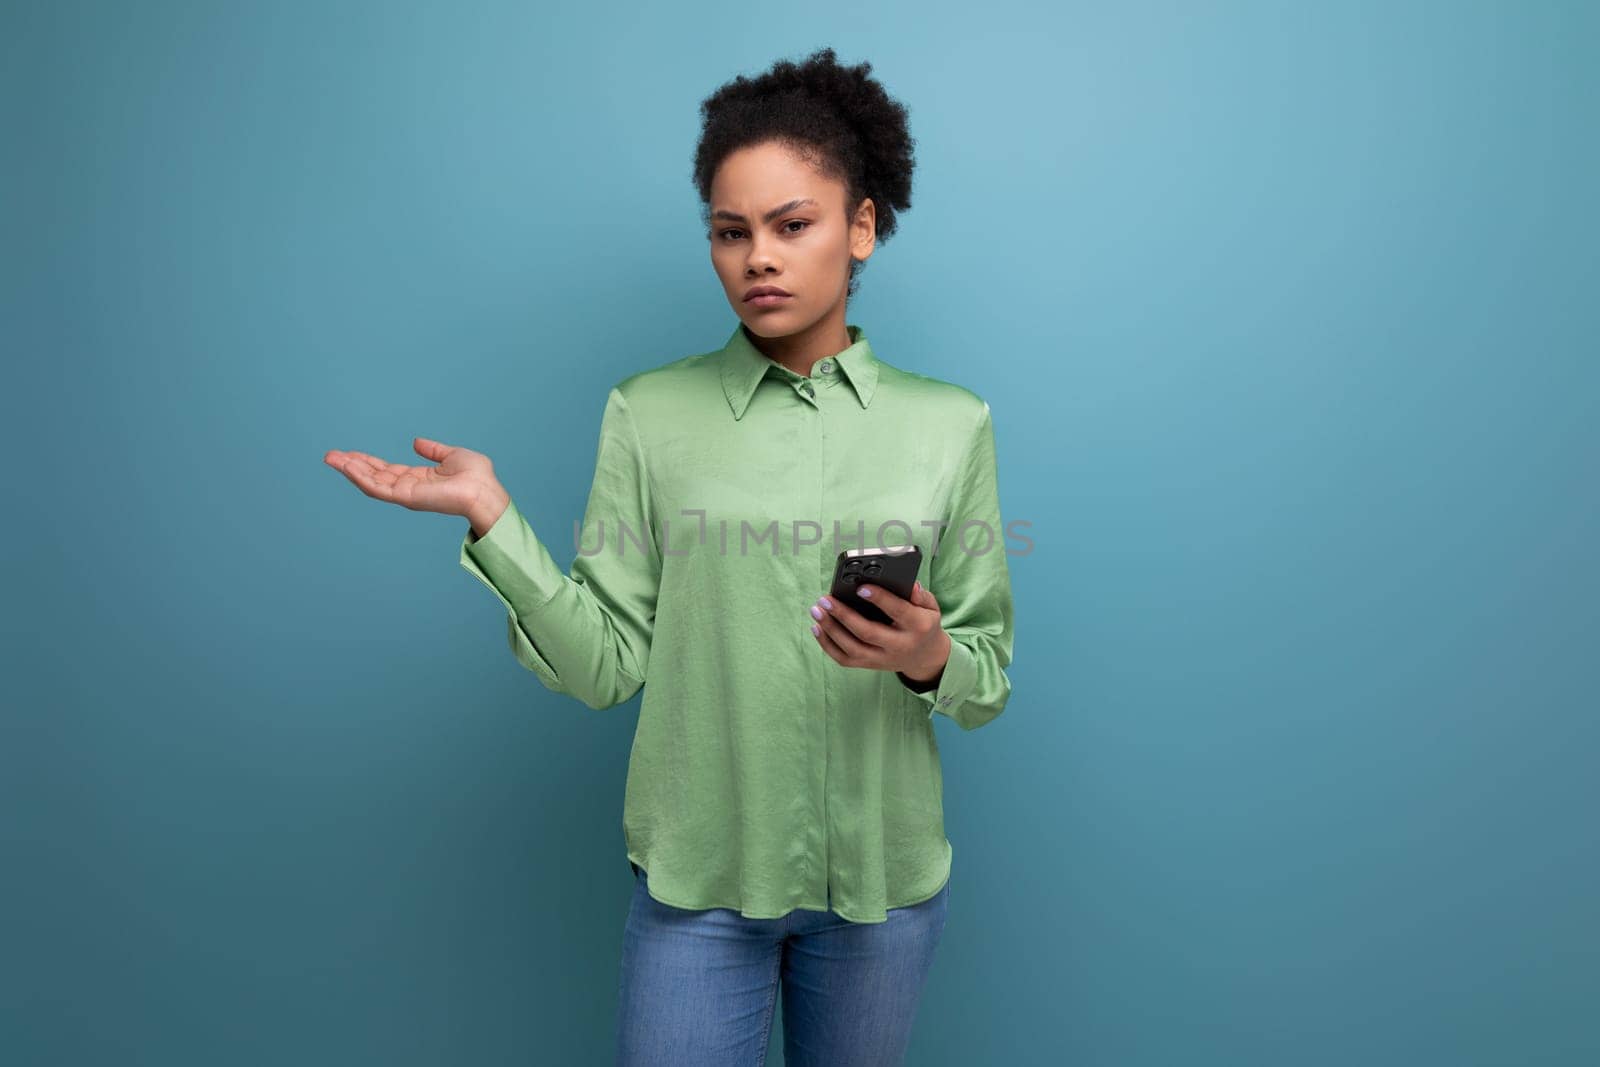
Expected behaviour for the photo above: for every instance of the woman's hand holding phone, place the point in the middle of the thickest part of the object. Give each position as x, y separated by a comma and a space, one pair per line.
462, 484
914, 645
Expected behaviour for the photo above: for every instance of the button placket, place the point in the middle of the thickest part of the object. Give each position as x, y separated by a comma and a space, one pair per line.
821, 505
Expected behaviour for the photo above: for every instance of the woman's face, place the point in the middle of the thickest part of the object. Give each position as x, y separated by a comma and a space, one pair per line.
776, 221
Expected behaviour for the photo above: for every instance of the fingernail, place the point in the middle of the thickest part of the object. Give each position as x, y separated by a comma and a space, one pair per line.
815, 629
825, 602
816, 613
866, 590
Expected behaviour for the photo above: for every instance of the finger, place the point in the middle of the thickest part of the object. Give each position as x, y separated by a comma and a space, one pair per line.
431, 449
867, 630
366, 479
829, 645
853, 647
924, 596
377, 465
891, 604
832, 637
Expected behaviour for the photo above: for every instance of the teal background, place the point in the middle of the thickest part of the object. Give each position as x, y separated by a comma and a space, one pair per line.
1287, 316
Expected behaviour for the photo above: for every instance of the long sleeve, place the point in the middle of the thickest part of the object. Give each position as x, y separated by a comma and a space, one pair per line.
973, 586
586, 634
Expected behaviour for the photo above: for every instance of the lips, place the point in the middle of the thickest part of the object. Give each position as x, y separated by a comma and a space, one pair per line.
764, 290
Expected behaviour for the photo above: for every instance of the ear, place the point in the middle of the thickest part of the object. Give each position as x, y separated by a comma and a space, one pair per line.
864, 230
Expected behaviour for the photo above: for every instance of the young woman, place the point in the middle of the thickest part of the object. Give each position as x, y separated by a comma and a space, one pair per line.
783, 813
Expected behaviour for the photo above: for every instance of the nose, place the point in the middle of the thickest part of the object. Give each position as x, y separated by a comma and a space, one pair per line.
760, 257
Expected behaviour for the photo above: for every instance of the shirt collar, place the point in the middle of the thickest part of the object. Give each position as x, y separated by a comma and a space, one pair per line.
744, 366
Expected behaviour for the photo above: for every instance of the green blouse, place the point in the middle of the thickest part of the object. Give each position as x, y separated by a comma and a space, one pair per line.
764, 776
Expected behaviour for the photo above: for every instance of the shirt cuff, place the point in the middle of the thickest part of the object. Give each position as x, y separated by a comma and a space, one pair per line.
511, 560
955, 684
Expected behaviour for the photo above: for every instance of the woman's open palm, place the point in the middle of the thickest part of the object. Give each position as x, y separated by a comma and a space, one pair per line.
451, 488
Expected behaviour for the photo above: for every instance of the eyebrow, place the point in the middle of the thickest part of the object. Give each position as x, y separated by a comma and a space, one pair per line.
732, 216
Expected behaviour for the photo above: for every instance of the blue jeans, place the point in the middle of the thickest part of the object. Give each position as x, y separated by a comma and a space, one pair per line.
698, 986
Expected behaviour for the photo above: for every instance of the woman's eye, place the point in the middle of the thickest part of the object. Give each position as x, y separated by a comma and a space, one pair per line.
725, 234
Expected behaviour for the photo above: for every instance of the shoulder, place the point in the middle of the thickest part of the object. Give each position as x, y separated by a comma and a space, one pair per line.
952, 403
666, 387
666, 375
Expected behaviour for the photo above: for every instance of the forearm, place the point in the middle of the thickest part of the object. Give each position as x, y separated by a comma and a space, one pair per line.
587, 633
973, 686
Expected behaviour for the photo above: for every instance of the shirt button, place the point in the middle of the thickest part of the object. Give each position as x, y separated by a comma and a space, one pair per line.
807, 387
826, 366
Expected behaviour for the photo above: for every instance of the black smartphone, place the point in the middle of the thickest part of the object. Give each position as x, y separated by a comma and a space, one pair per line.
894, 568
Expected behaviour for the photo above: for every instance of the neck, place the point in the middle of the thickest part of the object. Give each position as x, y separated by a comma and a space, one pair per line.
826, 337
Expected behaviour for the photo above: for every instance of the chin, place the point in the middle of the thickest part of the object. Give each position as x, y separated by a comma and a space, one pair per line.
770, 323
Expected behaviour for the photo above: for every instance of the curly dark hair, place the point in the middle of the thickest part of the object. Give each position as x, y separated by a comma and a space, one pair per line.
837, 117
